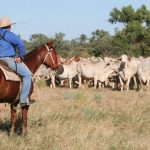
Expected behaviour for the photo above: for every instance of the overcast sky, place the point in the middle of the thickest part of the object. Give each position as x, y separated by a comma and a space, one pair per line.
71, 17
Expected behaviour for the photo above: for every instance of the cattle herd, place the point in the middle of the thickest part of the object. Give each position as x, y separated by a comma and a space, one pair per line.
121, 73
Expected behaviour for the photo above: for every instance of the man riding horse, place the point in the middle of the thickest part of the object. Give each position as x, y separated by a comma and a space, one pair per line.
12, 51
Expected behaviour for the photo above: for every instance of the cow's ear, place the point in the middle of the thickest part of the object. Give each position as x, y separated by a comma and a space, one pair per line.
107, 64
129, 59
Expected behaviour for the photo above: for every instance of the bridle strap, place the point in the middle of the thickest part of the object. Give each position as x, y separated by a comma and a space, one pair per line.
49, 53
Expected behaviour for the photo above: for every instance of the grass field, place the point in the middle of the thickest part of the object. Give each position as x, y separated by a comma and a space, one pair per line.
82, 119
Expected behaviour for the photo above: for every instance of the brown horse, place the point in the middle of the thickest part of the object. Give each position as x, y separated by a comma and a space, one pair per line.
44, 54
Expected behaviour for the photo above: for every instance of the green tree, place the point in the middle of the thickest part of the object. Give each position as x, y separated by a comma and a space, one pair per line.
83, 39
100, 43
37, 39
132, 39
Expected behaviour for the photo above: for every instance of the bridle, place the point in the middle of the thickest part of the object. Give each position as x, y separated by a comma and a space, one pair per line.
52, 59
49, 53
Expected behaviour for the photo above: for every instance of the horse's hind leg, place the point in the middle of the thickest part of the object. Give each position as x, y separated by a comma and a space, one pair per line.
13, 118
24, 119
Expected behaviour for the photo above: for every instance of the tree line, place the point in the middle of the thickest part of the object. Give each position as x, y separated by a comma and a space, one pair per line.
133, 39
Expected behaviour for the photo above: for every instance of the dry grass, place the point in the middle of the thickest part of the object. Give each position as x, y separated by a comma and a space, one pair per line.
82, 119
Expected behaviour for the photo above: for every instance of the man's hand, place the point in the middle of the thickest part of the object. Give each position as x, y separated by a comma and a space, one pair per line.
17, 60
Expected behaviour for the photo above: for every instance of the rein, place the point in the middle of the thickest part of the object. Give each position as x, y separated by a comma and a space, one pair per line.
49, 53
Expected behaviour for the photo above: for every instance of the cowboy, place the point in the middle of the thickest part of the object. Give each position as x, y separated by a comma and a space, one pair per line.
12, 51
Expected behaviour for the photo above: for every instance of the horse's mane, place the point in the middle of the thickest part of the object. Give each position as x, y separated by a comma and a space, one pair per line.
40, 46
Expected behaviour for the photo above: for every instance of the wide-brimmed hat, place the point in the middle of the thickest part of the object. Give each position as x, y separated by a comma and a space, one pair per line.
5, 21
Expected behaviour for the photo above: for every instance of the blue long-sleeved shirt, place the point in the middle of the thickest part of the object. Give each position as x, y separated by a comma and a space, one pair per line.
7, 49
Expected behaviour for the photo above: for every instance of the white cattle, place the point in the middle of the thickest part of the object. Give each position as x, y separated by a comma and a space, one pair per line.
44, 73
94, 59
99, 71
70, 71
41, 73
113, 80
144, 72
109, 59
128, 70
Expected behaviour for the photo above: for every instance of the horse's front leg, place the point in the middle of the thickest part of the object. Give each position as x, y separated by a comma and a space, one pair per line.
13, 118
24, 119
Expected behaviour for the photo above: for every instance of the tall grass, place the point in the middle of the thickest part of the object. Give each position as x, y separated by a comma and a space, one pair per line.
82, 119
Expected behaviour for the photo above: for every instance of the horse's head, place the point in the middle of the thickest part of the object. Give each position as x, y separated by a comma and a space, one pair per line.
51, 58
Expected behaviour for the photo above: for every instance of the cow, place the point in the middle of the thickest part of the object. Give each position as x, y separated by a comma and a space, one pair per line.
127, 71
143, 72
41, 73
69, 71
99, 72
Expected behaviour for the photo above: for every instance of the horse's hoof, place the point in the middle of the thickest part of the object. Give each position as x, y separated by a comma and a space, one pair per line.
12, 132
24, 132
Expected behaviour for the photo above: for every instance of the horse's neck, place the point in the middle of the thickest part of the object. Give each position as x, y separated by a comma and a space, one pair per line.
33, 61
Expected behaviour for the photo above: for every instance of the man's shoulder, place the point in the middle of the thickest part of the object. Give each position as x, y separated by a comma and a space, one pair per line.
2, 31
10, 35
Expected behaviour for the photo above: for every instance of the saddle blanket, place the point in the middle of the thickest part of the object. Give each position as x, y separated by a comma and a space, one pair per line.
10, 75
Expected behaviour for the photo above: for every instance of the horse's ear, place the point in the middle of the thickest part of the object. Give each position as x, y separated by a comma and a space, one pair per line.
49, 43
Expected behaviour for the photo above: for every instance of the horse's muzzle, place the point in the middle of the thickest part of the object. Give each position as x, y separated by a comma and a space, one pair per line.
59, 70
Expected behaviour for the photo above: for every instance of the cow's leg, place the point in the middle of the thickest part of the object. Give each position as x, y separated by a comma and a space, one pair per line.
62, 83
52, 85
121, 83
95, 82
147, 85
13, 118
141, 84
127, 84
70, 82
24, 119
112, 84
99, 85
79, 77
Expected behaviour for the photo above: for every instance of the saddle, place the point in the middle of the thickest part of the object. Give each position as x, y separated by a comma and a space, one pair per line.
9, 74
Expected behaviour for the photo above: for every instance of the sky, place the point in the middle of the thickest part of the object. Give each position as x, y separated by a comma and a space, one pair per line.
71, 17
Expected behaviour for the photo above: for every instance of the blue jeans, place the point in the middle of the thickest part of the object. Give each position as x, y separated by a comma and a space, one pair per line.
26, 75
